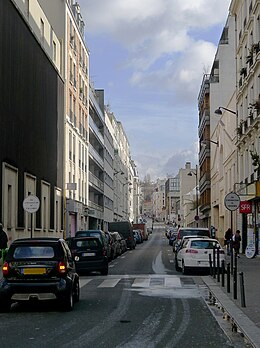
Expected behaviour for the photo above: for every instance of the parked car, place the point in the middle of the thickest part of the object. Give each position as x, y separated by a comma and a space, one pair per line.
89, 255
123, 244
125, 229
150, 230
117, 241
110, 250
95, 233
192, 231
39, 269
173, 236
194, 254
138, 236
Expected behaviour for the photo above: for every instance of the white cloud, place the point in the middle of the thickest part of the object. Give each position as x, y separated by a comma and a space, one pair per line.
165, 58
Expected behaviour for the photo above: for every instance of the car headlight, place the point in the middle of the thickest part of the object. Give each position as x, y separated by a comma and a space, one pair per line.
76, 258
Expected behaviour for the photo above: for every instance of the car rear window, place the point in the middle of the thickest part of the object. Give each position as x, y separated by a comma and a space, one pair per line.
33, 252
194, 233
203, 244
86, 244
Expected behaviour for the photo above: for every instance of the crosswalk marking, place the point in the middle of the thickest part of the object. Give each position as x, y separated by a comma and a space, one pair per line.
83, 282
109, 283
141, 283
172, 282
152, 281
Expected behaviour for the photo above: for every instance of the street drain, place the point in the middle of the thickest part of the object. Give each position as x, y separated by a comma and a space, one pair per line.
125, 321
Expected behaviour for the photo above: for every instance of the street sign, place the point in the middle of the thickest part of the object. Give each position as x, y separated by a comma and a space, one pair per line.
31, 204
250, 251
232, 201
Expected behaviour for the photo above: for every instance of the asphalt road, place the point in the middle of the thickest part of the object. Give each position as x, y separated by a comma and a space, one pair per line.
143, 302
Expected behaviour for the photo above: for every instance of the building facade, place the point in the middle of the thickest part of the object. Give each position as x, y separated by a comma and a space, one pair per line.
31, 115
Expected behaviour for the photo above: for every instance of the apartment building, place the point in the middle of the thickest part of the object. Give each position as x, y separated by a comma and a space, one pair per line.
159, 201
172, 196
247, 43
32, 91
204, 152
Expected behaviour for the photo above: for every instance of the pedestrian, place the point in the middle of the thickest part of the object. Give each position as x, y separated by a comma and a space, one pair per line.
228, 239
236, 242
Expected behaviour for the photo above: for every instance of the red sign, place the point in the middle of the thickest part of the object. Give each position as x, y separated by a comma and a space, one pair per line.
245, 207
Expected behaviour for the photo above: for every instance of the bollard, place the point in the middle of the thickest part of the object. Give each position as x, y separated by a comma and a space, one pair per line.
218, 265
242, 289
235, 279
228, 277
231, 255
223, 273
210, 265
214, 261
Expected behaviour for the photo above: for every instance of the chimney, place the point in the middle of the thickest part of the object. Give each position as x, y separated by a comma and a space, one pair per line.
188, 165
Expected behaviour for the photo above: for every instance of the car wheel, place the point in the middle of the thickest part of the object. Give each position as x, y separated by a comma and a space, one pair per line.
68, 301
76, 292
184, 269
104, 271
178, 269
5, 305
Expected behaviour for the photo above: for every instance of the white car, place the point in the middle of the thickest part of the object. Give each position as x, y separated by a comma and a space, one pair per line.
194, 254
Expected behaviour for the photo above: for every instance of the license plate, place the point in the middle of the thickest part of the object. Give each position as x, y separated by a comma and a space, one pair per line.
89, 254
29, 271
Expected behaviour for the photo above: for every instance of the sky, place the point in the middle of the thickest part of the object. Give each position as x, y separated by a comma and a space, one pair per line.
150, 57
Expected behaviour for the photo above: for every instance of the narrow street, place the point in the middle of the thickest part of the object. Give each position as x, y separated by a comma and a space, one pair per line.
143, 302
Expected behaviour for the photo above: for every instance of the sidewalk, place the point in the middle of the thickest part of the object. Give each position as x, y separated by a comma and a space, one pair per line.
248, 318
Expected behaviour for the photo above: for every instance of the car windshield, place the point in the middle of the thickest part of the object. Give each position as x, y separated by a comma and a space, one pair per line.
33, 252
203, 244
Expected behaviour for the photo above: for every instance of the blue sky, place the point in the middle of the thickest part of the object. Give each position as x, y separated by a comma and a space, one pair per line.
150, 56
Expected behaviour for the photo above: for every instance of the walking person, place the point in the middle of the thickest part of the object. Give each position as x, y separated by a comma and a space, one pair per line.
236, 242
228, 239
3, 240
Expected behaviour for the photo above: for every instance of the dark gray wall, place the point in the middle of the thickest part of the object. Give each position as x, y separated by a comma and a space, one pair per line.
31, 107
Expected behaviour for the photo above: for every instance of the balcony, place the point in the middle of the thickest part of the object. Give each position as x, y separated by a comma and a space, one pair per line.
95, 155
94, 181
96, 130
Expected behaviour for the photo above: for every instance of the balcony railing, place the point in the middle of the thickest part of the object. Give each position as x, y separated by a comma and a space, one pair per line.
96, 182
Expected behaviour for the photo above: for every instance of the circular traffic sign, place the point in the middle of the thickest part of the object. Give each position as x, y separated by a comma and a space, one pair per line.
250, 251
31, 204
232, 201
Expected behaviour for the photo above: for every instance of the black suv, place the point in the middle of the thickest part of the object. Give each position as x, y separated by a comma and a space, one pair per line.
39, 269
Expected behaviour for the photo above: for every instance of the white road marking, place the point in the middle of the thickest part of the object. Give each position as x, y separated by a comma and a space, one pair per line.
173, 282
122, 257
141, 283
110, 266
171, 261
83, 282
109, 283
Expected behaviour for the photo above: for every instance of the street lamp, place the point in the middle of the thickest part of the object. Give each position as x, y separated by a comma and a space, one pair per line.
219, 112
197, 198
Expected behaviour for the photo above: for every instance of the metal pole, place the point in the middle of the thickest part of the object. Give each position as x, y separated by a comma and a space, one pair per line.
223, 273
228, 277
214, 261
210, 265
235, 280
218, 265
231, 243
31, 225
242, 289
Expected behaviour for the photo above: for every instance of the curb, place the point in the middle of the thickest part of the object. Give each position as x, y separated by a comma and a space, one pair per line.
246, 325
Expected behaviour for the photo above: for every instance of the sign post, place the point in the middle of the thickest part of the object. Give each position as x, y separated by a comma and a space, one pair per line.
31, 205
232, 202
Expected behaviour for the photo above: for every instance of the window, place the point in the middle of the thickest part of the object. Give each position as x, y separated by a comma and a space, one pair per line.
54, 51
42, 29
